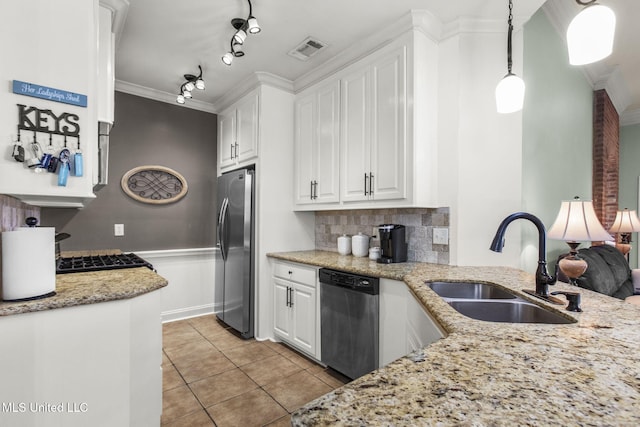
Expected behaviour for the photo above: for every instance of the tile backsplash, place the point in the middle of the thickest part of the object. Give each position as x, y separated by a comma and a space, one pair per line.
12, 215
419, 225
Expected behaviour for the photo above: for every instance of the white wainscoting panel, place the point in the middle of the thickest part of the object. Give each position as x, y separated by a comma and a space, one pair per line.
191, 277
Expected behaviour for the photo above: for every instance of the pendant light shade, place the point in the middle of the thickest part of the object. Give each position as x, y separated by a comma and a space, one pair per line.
510, 90
590, 34
510, 94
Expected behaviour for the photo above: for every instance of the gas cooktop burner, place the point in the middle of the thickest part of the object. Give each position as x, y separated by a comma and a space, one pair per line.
99, 262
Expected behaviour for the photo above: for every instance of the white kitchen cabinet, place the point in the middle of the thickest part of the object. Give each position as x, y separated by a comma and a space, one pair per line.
96, 365
317, 142
106, 55
405, 326
238, 132
296, 306
374, 145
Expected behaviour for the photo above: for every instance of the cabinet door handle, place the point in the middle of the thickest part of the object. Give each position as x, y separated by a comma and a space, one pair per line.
370, 184
288, 296
236, 150
291, 297
365, 184
311, 190
231, 151
315, 189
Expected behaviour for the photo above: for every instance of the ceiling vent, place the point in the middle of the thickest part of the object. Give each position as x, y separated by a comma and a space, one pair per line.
307, 49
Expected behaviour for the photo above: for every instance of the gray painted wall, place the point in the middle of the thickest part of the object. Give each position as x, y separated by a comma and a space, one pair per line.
629, 174
148, 132
557, 134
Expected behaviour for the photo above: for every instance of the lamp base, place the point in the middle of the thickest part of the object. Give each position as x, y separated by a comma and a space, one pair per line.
572, 265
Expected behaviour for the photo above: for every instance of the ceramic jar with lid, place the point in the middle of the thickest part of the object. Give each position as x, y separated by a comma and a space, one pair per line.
360, 245
344, 245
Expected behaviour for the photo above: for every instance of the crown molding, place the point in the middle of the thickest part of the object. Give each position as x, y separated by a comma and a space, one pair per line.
119, 10
630, 118
161, 96
254, 80
419, 20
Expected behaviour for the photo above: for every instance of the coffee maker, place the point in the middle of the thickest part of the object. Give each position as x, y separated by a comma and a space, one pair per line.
393, 246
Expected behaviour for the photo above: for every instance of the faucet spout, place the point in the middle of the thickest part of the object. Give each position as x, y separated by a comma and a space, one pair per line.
543, 279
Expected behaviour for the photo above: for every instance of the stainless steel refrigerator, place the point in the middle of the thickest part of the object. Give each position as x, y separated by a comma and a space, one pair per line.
235, 276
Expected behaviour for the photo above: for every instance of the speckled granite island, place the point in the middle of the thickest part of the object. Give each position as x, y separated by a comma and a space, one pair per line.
90, 355
492, 374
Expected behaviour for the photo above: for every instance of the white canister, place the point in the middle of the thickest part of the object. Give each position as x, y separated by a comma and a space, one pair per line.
360, 245
344, 245
28, 263
374, 253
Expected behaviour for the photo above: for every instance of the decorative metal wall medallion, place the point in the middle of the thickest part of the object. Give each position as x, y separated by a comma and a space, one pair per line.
154, 184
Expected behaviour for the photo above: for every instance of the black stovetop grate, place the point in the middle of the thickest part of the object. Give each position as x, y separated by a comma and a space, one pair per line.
99, 262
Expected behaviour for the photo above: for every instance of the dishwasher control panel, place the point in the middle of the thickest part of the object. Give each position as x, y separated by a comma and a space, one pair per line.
366, 284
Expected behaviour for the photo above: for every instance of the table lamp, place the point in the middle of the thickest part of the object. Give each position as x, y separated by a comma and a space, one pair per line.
576, 222
626, 222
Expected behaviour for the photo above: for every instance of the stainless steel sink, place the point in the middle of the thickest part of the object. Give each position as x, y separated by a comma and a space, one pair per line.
470, 290
510, 311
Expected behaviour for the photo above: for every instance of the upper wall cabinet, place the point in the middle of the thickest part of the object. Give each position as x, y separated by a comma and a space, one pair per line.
238, 132
387, 137
106, 54
374, 143
317, 145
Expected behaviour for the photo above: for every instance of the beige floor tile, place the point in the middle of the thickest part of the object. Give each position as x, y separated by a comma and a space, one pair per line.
253, 352
177, 403
195, 419
298, 359
270, 369
171, 378
224, 386
281, 422
208, 364
165, 359
208, 325
176, 327
332, 378
194, 350
178, 337
296, 390
228, 340
254, 408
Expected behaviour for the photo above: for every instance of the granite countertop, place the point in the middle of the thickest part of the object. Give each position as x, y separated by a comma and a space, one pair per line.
74, 289
492, 374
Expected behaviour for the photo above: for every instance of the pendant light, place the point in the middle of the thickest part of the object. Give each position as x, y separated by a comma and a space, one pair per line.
243, 27
510, 90
192, 82
590, 33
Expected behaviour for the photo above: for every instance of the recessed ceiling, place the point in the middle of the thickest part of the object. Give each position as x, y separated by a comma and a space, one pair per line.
164, 39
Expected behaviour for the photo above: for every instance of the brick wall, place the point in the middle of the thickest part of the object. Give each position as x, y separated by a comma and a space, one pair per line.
606, 148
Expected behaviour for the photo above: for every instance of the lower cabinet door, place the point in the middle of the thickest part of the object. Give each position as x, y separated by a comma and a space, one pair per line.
282, 311
304, 318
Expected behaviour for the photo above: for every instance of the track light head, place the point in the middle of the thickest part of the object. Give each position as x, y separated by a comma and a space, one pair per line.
180, 99
227, 58
189, 86
200, 84
252, 25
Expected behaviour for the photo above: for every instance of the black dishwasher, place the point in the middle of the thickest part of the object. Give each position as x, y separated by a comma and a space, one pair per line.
349, 312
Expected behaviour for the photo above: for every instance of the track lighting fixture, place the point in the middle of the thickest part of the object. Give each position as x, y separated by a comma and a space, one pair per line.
192, 82
590, 34
242, 27
510, 90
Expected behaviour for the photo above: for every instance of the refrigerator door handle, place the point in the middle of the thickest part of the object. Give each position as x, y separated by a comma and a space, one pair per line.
222, 221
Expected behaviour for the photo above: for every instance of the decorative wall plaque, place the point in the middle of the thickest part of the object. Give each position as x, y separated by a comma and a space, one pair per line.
154, 184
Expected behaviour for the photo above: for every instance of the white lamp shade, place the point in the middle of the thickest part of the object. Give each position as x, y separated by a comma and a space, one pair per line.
510, 94
590, 35
252, 24
180, 99
189, 86
240, 36
186, 94
227, 58
577, 222
626, 222
200, 84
